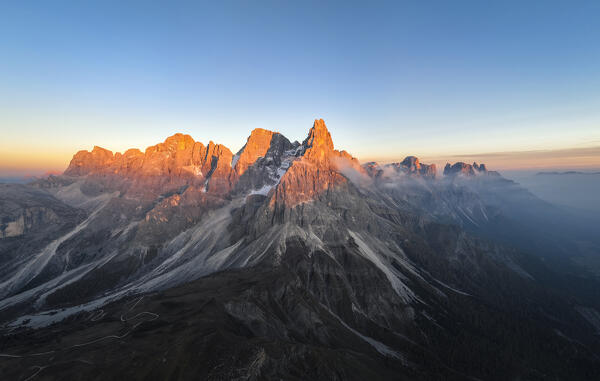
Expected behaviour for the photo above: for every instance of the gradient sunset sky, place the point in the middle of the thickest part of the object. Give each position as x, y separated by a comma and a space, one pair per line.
515, 84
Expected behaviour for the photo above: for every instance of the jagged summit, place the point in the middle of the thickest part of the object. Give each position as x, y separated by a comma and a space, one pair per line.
410, 166
267, 162
319, 136
316, 171
318, 145
464, 169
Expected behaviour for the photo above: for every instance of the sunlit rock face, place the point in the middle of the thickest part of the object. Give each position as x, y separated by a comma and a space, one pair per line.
318, 144
178, 155
256, 146
316, 172
267, 162
85, 162
176, 162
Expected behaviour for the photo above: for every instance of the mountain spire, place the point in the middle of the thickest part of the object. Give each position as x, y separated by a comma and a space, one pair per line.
318, 144
319, 136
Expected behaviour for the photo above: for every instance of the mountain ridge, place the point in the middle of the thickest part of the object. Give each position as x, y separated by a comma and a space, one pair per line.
298, 246
191, 158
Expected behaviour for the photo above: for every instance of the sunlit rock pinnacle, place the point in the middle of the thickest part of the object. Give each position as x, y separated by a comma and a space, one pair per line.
257, 146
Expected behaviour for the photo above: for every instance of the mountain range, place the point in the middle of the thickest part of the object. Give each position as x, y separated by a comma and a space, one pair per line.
291, 260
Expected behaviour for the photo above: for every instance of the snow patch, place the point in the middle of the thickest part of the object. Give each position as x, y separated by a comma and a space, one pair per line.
263, 191
275, 175
235, 159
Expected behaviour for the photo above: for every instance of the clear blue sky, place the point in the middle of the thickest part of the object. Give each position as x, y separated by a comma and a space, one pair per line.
429, 78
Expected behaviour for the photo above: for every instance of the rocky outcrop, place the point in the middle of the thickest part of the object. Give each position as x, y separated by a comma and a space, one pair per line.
318, 144
459, 168
264, 168
410, 166
467, 170
256, 146
28, 219
85, 162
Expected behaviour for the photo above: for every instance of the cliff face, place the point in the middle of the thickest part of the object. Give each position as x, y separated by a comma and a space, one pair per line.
85, 162
257, 146
177, 162
178, 155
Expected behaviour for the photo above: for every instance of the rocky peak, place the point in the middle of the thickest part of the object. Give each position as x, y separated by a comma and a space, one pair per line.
479, 168
465, 169
101, 152
459, 168
179, 142
85, 161
176, 161
411, 163
256, 146
319, 169
409, 166
318, 144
